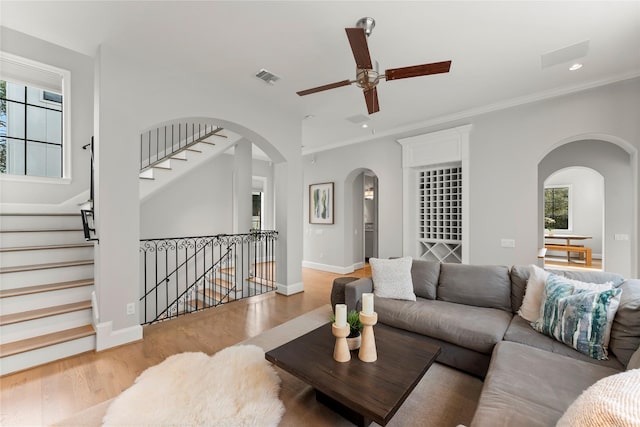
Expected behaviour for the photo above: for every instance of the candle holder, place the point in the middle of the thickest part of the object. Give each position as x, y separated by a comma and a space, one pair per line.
368, 351
341, 350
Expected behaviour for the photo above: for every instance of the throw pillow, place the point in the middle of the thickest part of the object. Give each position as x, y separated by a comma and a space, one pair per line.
579, 318
392, 278
612, 401
532, 301
530, 308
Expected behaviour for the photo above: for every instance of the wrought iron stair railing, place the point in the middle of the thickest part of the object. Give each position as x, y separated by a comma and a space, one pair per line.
188, 274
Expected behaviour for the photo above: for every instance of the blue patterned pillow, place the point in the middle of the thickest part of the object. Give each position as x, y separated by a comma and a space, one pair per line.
579, 318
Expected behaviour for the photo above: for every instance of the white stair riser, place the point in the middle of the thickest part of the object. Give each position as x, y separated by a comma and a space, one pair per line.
19, 362
42, 277
44, 256
45, 325
29, 302
40, 238
42, 222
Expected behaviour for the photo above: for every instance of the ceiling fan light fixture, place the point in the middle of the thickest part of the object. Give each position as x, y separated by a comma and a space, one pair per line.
367, 23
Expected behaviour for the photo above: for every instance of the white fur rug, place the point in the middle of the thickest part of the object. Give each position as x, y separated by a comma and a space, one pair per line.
235, 387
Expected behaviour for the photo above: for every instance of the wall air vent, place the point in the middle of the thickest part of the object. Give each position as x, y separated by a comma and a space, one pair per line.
267, 76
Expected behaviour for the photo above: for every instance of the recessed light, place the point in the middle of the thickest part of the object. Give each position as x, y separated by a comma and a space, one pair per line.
364, 126
575, 66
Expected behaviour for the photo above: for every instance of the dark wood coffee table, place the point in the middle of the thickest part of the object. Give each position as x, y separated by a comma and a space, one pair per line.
361, 392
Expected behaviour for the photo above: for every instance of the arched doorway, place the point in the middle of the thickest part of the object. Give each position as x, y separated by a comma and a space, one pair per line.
615, 164
574, 206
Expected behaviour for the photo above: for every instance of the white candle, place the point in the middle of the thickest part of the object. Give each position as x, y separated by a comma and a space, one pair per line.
367, 304
341, 315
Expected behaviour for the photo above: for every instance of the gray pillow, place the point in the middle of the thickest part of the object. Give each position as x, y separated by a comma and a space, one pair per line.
425, 278
625, 332
478, 285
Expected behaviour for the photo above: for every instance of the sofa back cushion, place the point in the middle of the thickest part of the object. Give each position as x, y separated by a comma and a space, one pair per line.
519, 276
425, 276
479, 285
625, 332
593, 276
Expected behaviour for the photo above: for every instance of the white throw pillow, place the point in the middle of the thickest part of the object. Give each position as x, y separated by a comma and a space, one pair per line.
392, 278
532, 301
612, 401
530, 308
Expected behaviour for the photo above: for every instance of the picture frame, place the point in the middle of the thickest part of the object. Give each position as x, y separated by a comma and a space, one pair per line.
321, 203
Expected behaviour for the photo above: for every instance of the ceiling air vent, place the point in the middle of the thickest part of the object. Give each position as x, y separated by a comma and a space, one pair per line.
267, 76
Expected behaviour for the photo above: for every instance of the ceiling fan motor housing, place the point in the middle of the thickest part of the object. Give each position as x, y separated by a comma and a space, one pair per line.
367, 79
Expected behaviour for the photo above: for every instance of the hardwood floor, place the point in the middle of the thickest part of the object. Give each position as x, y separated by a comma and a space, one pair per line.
48, 393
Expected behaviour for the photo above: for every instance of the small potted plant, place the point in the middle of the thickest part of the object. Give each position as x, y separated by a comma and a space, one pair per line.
355, 327
548, 223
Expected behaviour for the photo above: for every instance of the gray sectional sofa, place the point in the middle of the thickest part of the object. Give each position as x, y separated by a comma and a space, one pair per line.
471, 313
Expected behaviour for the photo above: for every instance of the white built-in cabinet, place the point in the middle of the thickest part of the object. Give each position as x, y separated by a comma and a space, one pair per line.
435, 195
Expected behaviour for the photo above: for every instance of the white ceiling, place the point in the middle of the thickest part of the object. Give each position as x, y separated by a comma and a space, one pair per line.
495, 47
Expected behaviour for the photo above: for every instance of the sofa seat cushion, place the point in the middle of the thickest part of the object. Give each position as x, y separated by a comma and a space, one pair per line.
520, 331
529, 387
475, 328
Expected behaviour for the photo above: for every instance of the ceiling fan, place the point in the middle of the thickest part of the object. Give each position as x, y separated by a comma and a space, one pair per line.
367, 76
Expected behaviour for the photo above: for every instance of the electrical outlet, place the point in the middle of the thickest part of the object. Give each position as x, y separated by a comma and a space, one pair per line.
508, 243
131, 308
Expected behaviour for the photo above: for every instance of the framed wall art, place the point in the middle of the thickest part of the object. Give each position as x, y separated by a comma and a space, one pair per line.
321, 203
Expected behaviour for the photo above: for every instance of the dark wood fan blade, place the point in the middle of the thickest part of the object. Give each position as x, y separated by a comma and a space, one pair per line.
371, 98
417, 70
325, 87
359, 47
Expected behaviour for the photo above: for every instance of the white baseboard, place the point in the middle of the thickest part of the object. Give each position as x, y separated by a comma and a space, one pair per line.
289, 289
106, 337
326, 267
358, 265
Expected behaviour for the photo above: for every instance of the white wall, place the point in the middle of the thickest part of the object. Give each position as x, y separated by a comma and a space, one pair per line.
587, 203
330, 247
196, 204
35, 194
505, 148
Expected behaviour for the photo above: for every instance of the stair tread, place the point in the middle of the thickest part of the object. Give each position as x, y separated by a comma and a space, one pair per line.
32, 267
218, 296
221, 283
9, 319
193, 150
46, 247
41, 341
5, 293
261, 281
47, 230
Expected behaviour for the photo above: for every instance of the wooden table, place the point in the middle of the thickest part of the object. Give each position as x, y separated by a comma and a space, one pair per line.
568, 247
361, 392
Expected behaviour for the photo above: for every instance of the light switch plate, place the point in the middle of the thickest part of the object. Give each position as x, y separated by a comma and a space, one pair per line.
508, 243
621, 237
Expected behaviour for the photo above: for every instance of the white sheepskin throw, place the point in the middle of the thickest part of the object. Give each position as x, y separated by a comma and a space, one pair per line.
612, 401
235, 387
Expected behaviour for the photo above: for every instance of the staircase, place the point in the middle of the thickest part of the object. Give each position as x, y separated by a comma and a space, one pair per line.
46, 281
174, 149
